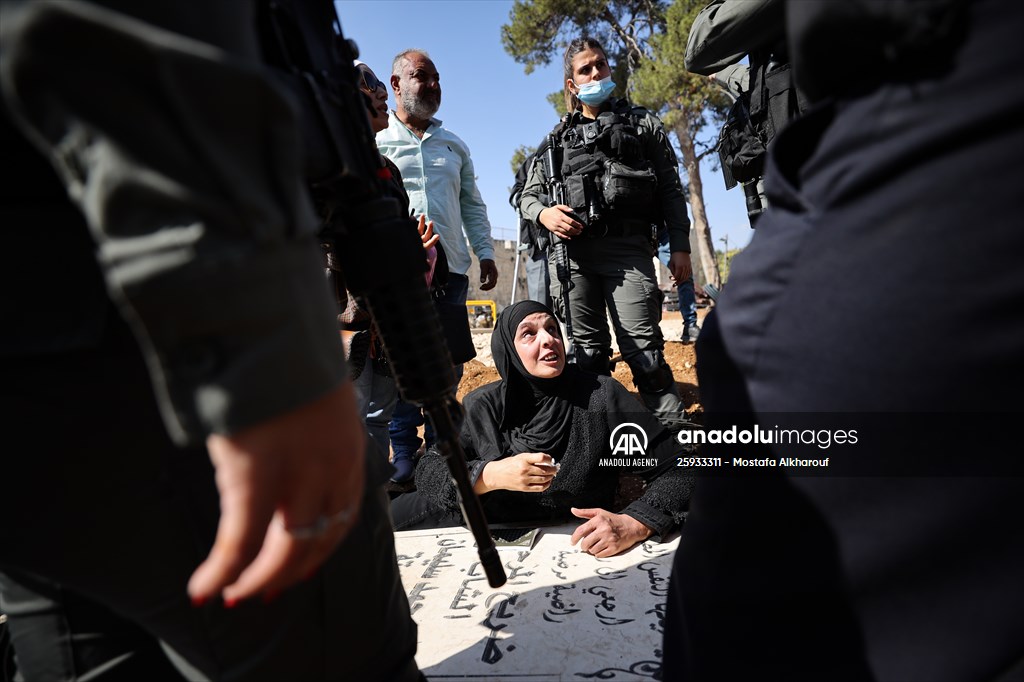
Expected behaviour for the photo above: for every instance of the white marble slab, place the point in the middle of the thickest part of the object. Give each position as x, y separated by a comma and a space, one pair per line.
562, 615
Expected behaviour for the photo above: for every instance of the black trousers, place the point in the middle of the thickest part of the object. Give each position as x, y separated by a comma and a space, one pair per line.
104, 520
885, 278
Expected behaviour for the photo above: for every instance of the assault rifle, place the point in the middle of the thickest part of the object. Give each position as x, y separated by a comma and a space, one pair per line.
382, 259
557, 195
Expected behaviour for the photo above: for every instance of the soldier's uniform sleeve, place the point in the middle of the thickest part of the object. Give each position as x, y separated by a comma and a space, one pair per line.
671, 199
531, 202
186, 160
726, 30
735, 79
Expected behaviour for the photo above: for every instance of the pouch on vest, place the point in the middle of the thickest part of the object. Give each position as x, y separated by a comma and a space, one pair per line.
628, 189
625, 146
578, 168
740, 150
576, 192
784, 102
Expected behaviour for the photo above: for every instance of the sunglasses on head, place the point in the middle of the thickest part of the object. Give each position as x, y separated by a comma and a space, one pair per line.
369, 82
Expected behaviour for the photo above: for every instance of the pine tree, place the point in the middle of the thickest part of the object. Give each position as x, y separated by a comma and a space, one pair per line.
687, 103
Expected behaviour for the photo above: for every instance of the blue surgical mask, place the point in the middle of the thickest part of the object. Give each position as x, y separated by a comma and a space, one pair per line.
595, 93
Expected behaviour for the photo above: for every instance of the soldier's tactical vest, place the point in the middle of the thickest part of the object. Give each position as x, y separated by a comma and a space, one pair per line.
609, 181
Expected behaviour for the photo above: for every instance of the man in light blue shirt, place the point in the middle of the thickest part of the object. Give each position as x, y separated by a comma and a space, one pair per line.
438, 175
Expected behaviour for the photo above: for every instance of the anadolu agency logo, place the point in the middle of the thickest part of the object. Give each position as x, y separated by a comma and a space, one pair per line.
629, 440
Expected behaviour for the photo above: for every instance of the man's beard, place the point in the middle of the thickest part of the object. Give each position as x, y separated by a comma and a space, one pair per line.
418, 107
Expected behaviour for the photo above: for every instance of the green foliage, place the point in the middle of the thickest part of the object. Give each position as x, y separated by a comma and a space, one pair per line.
724, 259
519, 155
557, 100
663, 84
539, 30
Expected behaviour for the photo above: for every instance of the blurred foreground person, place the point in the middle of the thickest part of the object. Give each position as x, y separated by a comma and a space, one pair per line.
882, 286
185, 157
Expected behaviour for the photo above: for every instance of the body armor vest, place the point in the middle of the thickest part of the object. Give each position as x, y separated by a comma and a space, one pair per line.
608, 177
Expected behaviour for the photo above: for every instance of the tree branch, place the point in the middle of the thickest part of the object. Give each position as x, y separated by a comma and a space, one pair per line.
704, 152
635, 53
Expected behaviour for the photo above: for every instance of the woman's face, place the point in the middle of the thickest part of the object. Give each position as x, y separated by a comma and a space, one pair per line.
378, 92
589, 65
539, 345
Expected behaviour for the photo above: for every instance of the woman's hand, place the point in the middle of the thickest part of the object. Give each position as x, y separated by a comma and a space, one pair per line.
558, 220
426, 230
606, 534
429, 239
528, 472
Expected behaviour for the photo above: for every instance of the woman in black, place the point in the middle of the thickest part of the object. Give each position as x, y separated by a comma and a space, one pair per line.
537, 444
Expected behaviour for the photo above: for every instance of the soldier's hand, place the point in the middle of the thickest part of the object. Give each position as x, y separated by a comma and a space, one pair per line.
290, 491
558, 220
680, 266
488, 274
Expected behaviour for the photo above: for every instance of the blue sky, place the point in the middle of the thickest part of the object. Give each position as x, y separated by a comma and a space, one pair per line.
487, 98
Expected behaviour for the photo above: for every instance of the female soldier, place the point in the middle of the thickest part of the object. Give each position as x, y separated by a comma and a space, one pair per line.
615, 178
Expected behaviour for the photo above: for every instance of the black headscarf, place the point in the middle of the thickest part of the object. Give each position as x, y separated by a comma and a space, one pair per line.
536, 414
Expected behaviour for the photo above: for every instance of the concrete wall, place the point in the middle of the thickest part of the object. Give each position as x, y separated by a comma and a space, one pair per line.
504, 258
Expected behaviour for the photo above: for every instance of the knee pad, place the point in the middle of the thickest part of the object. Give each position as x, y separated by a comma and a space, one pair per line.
651, 373
593, 360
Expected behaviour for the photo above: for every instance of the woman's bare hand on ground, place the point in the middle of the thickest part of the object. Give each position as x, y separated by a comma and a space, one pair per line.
606, 534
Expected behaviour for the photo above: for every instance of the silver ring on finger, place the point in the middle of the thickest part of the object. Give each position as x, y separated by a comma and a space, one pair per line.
321, 525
